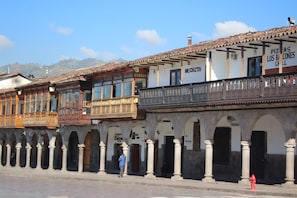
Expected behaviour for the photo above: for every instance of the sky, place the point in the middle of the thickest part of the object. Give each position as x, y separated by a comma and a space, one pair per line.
48, 31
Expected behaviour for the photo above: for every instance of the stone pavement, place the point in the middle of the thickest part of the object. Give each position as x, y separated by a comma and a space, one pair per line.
261, 189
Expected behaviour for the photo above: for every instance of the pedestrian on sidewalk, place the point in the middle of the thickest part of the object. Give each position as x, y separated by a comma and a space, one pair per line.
122, 162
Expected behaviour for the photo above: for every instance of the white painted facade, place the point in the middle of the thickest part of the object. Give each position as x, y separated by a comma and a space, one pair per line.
13, 82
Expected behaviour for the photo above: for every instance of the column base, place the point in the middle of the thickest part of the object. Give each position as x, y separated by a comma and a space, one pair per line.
176, 177
150, 176
208, 179
101, 172
288, 182
244, 181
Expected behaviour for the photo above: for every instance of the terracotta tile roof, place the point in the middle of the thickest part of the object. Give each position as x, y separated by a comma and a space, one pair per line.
222, 42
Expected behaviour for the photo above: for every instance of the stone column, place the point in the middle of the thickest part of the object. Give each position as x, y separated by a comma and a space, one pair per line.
81, 157
125, 151
8, 153
177, 160
290, 148
18, 154
51, 157
39, 152
28, 155
102, 158
150, 159
64, 160
245, 162
208, 177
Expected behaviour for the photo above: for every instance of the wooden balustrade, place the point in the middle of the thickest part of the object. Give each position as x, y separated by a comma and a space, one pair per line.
272, 88
115, 108
44, 119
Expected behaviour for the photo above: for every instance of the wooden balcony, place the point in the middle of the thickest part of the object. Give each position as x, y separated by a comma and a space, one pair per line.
281, 88
42, 119
115, 108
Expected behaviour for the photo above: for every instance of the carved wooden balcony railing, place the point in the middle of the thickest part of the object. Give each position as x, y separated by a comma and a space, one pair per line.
115, 108
74, 116
42, 119
264, 89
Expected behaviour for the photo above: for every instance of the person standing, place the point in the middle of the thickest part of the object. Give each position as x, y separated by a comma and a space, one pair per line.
122, 162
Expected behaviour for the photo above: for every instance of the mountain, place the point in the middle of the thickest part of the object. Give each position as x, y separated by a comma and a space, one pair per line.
63, 66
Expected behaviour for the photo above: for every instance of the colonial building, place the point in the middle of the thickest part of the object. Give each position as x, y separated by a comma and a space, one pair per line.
216, 110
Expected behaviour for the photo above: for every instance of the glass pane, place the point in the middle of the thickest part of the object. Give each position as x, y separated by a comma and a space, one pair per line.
106, 92
127, 89
97, 93
117, 90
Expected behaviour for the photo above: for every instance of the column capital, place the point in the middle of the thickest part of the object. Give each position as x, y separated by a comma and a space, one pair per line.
208, 142
291, 143
176, 141
102, 144
149, 141
81, 146
245, 143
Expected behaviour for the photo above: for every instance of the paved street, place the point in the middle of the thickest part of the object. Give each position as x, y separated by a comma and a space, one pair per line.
39, 187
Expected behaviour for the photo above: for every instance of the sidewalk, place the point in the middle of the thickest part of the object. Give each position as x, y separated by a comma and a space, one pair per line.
268, 190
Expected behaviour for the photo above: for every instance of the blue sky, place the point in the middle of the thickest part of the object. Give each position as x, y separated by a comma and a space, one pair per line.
48, 31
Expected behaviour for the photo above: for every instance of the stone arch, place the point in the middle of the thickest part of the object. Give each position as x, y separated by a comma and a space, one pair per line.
4, 150
137, 149
91, 151
33, 155
13, 149
23, 151
58, 152
164, 144
45, 151
268, 137
72, 155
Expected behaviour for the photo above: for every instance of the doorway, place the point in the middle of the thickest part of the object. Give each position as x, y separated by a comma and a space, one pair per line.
135, 157
258, 153
168, 160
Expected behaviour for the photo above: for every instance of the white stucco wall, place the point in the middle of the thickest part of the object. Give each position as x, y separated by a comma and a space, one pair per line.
13, 82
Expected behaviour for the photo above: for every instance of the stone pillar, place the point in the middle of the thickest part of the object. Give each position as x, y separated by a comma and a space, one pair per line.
290, 148
51, 157
64, 160
125, 151
8, 153
245, 162
177, 160
81, 157
150, 159
208, 177
39, 152
102, 158
18, 154
28, 155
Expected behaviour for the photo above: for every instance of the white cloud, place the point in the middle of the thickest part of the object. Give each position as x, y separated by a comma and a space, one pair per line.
88, 52
5, 42
61, 30
150, 36
228, 28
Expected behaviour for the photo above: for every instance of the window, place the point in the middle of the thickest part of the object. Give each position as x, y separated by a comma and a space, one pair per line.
175, 77
38, 105
97, 91
53, 103
116, 89
255, 66
127, 88
106, 90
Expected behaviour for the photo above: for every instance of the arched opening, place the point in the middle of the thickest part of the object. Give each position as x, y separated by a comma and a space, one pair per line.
45, 152
13, 151
23, 151
91, 152
58, 153
33, 156
72, 152
4, 152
